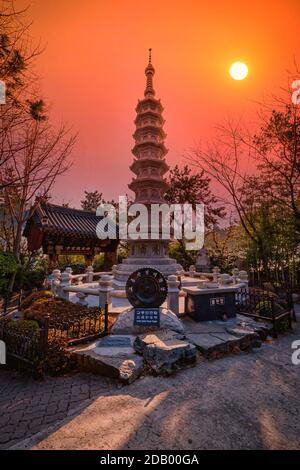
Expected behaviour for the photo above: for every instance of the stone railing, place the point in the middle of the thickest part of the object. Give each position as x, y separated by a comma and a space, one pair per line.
86, 284
63, 283
237, 276
76, 279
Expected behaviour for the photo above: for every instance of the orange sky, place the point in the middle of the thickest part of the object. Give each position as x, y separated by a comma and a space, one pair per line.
93, 65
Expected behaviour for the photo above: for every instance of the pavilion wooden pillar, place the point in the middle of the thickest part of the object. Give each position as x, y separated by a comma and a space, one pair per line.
89, 259
53, 261
109, 260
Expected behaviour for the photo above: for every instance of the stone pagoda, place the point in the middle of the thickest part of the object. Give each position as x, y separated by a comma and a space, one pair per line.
149, 167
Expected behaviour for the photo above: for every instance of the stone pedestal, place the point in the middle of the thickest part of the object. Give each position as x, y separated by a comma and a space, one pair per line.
203, 261
173, 294
66, 279
82, 299
125, 323
105, 289
90, 274
161, 261
211, 304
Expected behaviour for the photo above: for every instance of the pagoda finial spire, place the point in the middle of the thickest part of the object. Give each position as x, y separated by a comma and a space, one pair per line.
149, 91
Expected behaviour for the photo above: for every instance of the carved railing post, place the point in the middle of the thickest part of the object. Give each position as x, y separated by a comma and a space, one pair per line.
55, 281
105, 289
192, 270
224, 279
173, 294
82, 299
243, 278
90, 274
216, 272
66, 279
235, 275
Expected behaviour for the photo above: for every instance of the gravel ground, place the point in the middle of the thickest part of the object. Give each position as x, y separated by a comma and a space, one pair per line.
246, 401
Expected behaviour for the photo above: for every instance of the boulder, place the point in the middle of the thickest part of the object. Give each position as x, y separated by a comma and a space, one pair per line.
208, 344
164, 352
249, 325
247, 338
111, 356
124, 368
125, 323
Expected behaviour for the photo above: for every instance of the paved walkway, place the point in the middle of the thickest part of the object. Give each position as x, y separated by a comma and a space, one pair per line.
244, 401
27, 406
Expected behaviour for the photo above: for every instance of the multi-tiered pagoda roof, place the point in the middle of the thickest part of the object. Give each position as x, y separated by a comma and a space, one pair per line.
149, 166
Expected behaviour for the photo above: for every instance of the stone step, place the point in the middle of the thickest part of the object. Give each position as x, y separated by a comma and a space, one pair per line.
213, 345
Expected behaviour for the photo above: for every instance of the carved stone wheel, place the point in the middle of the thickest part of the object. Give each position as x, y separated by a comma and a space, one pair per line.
146, 288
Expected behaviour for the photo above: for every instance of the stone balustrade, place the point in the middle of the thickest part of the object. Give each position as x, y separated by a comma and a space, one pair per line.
57, 277
100, 284
173, 294
62, 284
105, 289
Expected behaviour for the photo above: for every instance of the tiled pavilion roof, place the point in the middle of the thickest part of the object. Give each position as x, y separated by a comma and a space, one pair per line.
72, 225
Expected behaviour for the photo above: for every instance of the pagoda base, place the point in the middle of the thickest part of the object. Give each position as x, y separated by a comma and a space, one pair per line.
167, 266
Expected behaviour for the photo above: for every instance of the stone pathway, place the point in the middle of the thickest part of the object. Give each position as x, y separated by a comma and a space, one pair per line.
27, 406
250, 400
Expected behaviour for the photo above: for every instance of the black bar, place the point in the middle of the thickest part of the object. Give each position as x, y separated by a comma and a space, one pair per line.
106, 318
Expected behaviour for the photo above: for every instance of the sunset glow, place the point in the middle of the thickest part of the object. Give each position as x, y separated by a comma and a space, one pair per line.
93, 63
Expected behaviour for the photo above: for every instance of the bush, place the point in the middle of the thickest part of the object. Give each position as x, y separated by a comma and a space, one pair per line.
29, 279
283, 325
98, 264
66, 317
183, 257
57, 309
57, 360
32, 298
268, 286
8, 265
63, 316
25, 327
264, 307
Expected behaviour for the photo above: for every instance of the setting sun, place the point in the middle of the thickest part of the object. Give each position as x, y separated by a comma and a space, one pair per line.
238, 71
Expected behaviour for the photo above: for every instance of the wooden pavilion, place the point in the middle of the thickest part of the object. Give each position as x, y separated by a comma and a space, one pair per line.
61, 230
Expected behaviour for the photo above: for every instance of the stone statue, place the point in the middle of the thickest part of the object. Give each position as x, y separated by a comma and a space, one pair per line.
202, 261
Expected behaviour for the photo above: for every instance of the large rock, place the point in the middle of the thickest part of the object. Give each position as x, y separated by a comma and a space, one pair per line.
111, 356
126, 369
163, 352
249, 325
124, 323
212, 344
